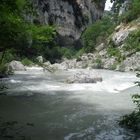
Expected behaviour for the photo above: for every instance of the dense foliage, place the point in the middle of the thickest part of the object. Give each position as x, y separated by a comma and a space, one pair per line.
24, 40
132, 11
17, 33
97, 33
133, 41
132, 120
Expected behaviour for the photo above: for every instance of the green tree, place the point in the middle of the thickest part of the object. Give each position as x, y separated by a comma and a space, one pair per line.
13, 33
97, 33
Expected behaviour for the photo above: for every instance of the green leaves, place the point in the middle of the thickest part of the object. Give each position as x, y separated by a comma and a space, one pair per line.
132, 120
133, 41
97, 33
43, 34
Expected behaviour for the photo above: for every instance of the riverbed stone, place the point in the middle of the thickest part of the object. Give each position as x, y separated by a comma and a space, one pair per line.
16, 66
84, 77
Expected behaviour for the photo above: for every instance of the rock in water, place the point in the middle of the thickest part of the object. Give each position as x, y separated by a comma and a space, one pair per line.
84, 77
16, 66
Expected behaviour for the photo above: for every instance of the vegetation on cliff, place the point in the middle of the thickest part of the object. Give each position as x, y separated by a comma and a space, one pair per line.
98, 33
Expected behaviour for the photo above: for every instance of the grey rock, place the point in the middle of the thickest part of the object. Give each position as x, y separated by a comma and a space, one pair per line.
103, 53
58, 66
100, 47
47, 63
119, 37
84, 57
79, 65
90, 56
131, 63
71, 16
16, 66
109, 63
84, 77
125, 6
39, 59
69, 64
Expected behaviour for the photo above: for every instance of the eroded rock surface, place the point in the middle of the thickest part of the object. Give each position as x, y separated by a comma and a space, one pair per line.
70, 16
85, 77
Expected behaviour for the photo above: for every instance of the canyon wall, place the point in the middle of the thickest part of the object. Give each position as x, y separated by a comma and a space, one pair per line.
71, 17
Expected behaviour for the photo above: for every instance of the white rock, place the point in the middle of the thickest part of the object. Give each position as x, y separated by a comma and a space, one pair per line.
100, 47
16, 66
39, 59
84, 77
119, 37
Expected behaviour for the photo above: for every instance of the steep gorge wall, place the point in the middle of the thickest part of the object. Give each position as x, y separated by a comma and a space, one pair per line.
70, 16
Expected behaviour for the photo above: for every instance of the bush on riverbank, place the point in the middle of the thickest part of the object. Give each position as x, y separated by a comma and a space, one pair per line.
3, 70
27, 62
132, 120
133, 41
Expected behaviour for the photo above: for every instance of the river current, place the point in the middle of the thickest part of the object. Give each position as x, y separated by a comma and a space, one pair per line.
38, 105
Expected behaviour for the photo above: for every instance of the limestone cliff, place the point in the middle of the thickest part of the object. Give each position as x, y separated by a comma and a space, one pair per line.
70, 16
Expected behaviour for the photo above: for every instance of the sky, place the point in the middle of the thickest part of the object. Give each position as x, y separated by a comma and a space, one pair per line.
108, 5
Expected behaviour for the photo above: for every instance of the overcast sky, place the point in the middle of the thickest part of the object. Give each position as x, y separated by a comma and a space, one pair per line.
108, 5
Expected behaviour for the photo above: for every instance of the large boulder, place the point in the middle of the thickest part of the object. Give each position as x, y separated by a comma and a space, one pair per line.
16, 66
69, 64
130, 63
119, 37
84, 77
39, 59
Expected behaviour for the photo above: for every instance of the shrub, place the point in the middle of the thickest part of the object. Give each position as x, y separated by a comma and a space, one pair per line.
99, 63
3, 70
133, 41
67, 52
132, 120
8, 56
132, 13
79, 53
96, 32
26, 62
113, 51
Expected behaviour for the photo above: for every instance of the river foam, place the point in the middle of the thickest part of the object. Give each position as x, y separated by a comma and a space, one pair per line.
45, 82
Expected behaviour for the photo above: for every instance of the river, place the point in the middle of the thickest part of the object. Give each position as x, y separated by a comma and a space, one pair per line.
38, 105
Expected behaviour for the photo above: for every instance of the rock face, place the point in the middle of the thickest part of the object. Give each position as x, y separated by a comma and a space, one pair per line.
70, 16
125, 6
84, 77
16, 66
131, 63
